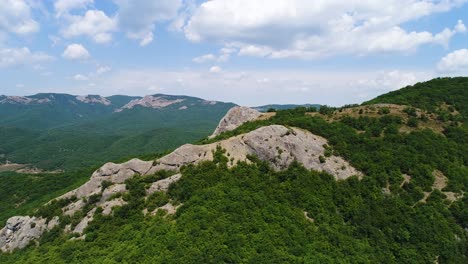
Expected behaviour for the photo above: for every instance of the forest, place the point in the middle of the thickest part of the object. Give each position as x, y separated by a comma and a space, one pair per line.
252, 214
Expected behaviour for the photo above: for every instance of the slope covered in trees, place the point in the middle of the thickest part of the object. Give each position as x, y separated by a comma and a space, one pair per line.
410, 206
440, 95
65, 133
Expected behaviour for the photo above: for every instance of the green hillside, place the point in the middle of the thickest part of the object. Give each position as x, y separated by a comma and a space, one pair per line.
442, 95
398, 213
265, 108
66, 133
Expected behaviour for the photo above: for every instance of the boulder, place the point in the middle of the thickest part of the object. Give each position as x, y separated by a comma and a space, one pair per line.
22, 230
234, 118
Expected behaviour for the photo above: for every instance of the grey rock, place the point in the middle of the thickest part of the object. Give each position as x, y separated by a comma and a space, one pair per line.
112, 190
80, 227
234, 118
163, 185
109, 205
150, 101
21, 230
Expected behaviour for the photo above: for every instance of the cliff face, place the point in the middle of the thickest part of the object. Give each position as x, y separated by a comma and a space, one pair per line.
277, 145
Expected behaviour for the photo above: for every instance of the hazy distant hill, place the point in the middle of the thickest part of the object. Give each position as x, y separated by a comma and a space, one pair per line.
67, 131
265, 108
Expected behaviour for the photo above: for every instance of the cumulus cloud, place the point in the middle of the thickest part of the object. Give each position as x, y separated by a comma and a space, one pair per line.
21, 56
204, 58
63, 7
16, 17
138, 18
454, 62
94, 24
80, 77
216, 69
311, 29
223, 56
75, 52
102, 69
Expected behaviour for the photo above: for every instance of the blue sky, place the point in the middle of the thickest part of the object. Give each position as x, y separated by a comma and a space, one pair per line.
250, 52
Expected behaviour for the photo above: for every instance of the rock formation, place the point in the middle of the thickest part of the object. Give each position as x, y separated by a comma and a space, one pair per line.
151, 102
234, 118
21, 230
93, 99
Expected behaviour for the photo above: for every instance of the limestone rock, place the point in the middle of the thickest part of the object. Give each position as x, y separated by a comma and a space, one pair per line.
234, 118
80, 227
94, 99
107, 206
163, 185
72, 208
21, 230
111, 190
169, 208
114, 173
150, 101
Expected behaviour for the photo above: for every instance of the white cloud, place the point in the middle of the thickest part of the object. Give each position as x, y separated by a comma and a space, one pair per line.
94, 24
454, 62
261, 87
21, 56
75, 52
80, 77
16, 17
224, 55
103, 69
311, 29
256, 51
204, 58
63, 7
216, 69
147, 39
460, 27
138, 18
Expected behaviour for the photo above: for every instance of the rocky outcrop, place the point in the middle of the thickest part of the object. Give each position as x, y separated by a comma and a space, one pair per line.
278, 145
163, 185
80, 227
21, 230
151, 102
94, 99
109, 205
22, 100
169, 208
234, 118
111, 172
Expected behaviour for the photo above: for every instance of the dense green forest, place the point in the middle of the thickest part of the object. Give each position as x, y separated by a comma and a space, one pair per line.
441, 95
70, 135
252, 214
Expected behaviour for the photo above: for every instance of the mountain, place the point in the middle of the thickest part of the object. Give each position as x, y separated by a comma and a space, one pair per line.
265, 108
376, 183
60, 131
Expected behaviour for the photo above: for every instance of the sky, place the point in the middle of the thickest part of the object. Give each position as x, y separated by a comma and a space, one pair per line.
251, 52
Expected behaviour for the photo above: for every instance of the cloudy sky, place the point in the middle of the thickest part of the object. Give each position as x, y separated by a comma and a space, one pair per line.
251, 52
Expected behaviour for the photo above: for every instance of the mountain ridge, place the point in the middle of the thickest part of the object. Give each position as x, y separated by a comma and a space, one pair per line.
247, 194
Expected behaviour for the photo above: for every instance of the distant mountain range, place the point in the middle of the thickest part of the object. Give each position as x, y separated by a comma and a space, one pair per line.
265, 108
67, 131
